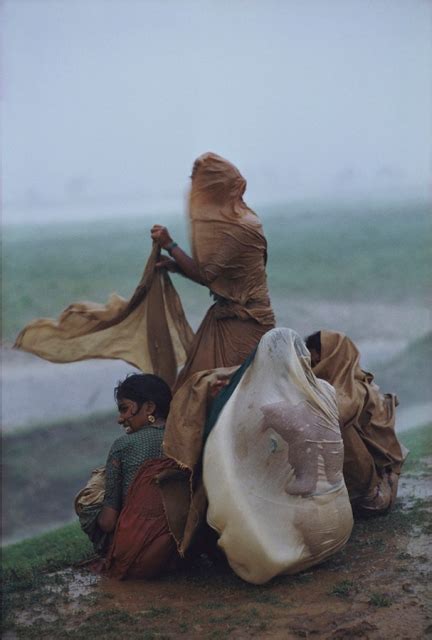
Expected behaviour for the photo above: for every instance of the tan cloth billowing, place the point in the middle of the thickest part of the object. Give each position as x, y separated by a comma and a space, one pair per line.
373, 455
183, 442
150, 331
230, 249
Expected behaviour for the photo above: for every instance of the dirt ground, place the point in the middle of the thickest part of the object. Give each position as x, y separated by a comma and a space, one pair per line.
376, 588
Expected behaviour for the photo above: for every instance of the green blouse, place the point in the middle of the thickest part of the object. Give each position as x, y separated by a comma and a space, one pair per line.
126, 456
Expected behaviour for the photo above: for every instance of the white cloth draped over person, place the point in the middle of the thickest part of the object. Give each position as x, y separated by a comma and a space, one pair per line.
272, 466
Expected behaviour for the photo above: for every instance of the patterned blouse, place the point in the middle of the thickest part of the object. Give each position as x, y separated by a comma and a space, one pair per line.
126, 456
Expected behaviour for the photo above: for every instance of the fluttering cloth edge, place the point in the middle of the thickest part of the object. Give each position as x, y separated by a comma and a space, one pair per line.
150, 331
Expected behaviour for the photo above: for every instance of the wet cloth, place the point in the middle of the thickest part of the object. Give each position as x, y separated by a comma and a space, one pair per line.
143, 546
272, 466
373, 454
184, 438
88, 504
150, 331
230, 250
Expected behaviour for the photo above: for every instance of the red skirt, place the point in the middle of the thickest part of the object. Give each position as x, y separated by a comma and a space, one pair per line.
143, 546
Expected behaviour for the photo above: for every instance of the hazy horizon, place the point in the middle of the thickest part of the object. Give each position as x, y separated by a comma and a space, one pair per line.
112, 101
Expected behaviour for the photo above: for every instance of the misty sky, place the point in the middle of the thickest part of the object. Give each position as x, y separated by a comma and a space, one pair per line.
105, 100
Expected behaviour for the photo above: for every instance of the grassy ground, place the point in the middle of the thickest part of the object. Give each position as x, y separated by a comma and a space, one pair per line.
345, 253
375, 588
35, 466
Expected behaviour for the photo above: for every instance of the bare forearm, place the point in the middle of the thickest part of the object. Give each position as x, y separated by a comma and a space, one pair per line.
184, 264
187, 265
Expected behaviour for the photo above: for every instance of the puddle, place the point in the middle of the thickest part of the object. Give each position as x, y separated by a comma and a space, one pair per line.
412, 487
65, 592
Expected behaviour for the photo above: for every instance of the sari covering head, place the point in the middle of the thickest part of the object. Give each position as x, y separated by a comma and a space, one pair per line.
217, 182
272, 466
373, 454
230, 250
228, 243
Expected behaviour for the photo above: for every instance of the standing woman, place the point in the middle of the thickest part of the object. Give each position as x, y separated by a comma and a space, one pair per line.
229, 255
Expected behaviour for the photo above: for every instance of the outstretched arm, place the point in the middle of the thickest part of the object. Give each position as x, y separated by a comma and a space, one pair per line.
184, 264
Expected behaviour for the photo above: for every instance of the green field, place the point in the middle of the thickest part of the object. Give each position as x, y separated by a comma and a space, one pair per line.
343, 253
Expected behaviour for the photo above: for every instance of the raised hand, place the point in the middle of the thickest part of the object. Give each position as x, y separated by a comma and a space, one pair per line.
161, 235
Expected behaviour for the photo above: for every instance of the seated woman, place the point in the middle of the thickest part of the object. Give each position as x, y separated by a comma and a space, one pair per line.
373, 456
128, 523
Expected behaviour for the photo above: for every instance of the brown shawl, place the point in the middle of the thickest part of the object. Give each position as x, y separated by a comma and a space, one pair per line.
184, 442
230, 249
150, 331
228, 242
367, 416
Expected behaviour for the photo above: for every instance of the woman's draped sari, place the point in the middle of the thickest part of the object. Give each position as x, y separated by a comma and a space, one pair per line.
373, 454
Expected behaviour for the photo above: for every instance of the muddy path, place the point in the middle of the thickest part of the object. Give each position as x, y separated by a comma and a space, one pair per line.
378, 587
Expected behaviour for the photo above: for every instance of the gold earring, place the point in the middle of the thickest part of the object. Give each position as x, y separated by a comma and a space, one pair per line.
151, 418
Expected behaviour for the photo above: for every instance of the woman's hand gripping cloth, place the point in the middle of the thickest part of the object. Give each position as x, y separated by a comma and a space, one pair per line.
373, 454
150, 331
272, 466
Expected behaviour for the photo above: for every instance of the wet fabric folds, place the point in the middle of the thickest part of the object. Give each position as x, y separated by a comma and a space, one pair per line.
150, 331
183, 442
272, 466
373, 454
230, 250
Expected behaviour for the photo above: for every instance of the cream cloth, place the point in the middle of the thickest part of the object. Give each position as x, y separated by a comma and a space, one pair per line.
273, 466
150, 331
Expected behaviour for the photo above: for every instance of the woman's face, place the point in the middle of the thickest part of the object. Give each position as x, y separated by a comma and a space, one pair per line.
133, 417
315, 357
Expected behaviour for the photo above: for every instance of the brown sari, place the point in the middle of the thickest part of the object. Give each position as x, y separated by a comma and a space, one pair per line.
230, 249
373, 456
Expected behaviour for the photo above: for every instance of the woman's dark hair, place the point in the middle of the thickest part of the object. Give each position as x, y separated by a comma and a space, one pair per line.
314, 342
143, 387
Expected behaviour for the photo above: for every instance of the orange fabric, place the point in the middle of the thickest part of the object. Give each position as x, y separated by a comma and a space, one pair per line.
143, 546
230, 249
373, 455
184, 442
221, 343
